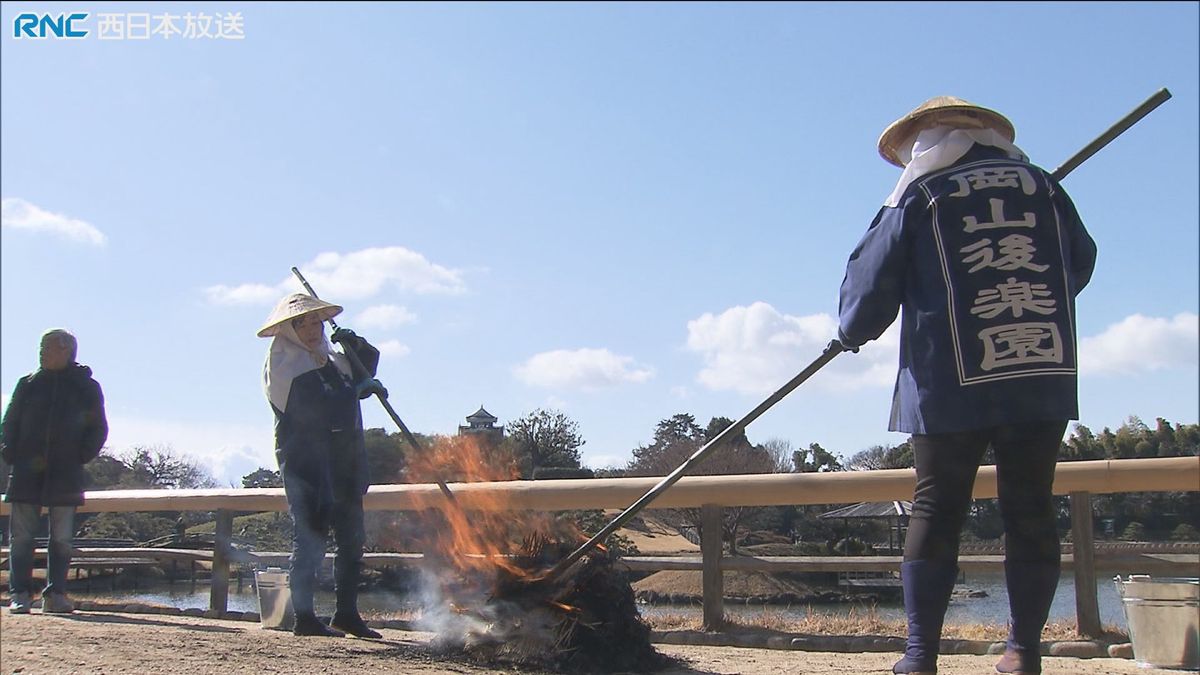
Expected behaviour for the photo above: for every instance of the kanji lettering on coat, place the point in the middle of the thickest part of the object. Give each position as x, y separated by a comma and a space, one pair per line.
972, 223
1015, 252
1015, 296
1020, 344
982, 179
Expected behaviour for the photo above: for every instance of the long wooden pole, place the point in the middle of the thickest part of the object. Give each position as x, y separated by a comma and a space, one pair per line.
1158, 98
833, 349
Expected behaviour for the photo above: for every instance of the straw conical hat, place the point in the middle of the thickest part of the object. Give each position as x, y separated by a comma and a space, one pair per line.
294, 305
947, 110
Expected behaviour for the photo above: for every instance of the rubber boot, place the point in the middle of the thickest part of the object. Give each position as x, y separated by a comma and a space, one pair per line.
353, 624
1031, 587
348, 620
307, 623
927, 586
346, 617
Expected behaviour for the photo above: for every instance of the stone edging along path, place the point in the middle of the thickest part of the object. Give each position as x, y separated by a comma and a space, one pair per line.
855, 644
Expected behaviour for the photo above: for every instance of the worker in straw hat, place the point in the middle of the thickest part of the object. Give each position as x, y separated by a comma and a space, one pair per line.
314, 393
983, 254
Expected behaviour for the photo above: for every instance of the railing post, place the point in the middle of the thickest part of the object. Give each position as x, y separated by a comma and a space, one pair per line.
218, 597
711, 516
1087, 607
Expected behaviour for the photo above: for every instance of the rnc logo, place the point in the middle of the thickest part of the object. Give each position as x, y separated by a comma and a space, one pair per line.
42, 26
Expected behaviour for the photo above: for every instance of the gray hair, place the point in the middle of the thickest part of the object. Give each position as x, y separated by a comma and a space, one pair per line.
64, 338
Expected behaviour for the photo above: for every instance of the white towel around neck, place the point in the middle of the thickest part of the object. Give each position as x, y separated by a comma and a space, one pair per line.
939, 147
288, 359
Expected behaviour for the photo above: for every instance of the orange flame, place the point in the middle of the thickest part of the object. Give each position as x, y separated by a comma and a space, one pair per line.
487, 536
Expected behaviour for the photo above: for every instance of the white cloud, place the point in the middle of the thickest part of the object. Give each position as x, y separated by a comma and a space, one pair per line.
585, 369
246, 294
20, 214
384, 317
756, 349
229, 451
1141, 343
352, 276
393, 348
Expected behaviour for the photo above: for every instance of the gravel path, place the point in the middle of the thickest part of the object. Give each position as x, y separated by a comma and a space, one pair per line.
146, 644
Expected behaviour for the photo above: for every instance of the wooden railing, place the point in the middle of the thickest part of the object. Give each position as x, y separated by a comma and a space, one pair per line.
711, 494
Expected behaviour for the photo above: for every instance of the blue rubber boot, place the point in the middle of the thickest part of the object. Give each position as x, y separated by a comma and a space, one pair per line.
1031, 587
927, 585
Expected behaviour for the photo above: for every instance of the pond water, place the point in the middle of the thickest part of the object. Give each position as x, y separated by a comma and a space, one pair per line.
992, 609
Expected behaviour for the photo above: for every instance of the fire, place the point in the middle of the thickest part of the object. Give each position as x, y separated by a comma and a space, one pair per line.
490, 536
487, 594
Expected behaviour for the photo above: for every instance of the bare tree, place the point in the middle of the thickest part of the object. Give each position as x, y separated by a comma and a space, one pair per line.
882, 457
158, 466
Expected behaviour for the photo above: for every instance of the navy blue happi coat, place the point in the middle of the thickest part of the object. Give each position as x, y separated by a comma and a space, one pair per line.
985, 258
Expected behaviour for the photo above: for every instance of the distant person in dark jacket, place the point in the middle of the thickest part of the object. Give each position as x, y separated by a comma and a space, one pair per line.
54, 424
982, 253
314, 393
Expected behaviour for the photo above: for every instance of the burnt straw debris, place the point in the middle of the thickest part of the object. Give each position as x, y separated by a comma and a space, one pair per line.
583, 621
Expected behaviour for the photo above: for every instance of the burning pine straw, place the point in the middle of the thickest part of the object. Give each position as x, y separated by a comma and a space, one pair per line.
486, 595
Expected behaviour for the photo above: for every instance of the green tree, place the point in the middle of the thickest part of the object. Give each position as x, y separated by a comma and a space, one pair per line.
677, 438
543, 439
1135, 531
104, 473
815, 459
385, 456
1159, 513
262, 478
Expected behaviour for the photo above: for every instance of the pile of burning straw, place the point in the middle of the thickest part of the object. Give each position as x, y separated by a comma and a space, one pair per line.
485, 595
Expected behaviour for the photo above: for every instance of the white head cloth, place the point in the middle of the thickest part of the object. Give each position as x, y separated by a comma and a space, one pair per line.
288, 359
939, 147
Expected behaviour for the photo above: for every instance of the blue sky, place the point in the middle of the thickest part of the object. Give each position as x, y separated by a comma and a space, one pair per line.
621, 211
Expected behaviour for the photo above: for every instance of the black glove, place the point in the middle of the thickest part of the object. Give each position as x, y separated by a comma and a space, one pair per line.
371, 386
343, 335
842, 343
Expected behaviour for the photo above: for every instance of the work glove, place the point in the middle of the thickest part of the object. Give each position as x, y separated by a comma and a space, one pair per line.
842, 343
344, 335
371, 386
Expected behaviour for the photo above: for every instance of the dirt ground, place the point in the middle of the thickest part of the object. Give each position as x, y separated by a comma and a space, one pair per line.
115, 643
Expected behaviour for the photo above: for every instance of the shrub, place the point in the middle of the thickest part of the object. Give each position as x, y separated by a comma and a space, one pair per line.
1135, 531
1185, 532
